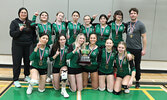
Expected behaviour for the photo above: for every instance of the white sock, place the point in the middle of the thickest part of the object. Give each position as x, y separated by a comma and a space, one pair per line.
41, 90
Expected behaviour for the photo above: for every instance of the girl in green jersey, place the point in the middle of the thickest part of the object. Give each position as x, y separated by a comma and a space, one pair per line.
73, 27
125, 75
106, 67
58, 55
87, 27
102, 31
92, 69
39, 64
59, 26
117, 28
44, 26
74, 69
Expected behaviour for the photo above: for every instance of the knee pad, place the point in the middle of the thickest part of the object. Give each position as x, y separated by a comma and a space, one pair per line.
33, 82
64, 75
101, 89
125, 86
109, 90
116, 93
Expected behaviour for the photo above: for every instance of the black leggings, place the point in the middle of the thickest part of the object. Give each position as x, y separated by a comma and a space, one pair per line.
137, 54
19, 52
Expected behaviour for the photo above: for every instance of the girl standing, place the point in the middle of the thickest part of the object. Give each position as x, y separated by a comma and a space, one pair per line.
44, 26
73, 27
102, 30
59, 27
87, 28
117, 28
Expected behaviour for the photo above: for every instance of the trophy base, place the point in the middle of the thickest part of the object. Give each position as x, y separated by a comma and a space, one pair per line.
84, 63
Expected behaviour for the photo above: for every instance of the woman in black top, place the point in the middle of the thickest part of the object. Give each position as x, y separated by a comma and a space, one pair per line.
22, 39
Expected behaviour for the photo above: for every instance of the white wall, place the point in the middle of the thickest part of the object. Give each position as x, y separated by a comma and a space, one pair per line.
151, 12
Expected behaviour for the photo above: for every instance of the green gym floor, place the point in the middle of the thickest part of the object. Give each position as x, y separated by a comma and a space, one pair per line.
146, 92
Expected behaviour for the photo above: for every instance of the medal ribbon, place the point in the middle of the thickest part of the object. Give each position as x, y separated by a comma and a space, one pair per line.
117, 29
107, 60
44, 28
91, 50
101, 30
87, 32
41, 56
121, 60
61, 55
59, 29
132, 27
75, 28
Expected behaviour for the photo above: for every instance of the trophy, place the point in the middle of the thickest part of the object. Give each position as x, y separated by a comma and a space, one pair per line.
84, 58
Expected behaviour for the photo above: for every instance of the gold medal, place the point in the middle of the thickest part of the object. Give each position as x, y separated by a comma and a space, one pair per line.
116, 37
131, 36
121, 69
40, 63
107, 66
74, 36
60, 63
101, 38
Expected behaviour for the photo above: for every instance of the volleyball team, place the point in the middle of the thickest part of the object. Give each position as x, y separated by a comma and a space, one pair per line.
114, 63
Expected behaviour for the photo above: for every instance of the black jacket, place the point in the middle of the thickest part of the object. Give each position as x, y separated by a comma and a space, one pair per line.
24, 37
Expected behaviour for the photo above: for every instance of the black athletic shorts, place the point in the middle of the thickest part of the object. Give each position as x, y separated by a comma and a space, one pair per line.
101, 73
88, 70
74, 70
56, 70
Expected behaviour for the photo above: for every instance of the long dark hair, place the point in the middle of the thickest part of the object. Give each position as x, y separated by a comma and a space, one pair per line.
27, 20
56, 46
118, 12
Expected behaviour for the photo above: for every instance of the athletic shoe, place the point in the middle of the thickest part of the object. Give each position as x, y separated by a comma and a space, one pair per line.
64, 93
127, 91
29, 89
137, 85
27, 79
17, 84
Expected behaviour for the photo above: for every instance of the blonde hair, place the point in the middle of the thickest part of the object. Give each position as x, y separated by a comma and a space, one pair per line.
83, 46
125, 52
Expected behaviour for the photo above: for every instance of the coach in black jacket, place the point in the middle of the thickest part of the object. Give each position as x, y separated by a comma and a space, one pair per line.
22, 41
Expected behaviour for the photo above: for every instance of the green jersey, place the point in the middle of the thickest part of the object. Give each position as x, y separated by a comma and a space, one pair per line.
87, 31
43, 28
74, 30
60, 60
36, 60
93, 58
117, 31
59, 29
102, 34
107, 61
123, 67
73, 58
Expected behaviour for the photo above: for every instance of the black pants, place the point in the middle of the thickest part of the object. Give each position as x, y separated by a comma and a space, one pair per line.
137, 54
19, 52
